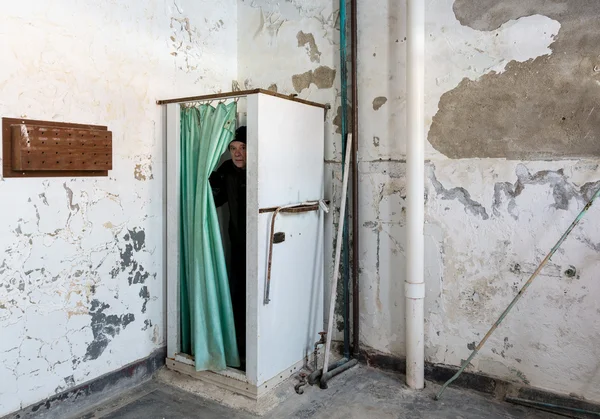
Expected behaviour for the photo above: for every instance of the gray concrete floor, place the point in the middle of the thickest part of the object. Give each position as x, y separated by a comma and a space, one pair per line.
362, 392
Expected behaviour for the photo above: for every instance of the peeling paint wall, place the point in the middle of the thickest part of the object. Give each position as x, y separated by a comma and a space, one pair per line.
512, 157
293, 45
81, 273
527, 93
550, 109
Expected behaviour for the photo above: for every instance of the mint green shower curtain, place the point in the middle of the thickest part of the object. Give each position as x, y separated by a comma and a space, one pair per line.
207, 326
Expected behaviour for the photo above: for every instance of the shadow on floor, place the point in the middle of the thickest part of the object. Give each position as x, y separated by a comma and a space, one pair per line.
362, 392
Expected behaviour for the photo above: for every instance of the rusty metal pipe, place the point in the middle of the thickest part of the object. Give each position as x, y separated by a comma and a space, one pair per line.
355, 215
315, 376
340, 369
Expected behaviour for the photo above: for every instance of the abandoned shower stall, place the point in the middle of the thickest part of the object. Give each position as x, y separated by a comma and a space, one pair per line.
285, 149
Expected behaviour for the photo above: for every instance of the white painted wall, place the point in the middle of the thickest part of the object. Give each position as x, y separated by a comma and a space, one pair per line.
75, 252
64, 240
550, 340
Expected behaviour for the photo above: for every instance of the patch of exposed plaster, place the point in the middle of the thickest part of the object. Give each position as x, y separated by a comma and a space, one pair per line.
323, 77
378, 102
308, 40
143, 170
478, 53
511, 114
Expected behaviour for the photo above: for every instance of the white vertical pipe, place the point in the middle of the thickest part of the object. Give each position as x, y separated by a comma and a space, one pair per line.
415, 190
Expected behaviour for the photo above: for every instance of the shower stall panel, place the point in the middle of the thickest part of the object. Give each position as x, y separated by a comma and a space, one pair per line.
285, 167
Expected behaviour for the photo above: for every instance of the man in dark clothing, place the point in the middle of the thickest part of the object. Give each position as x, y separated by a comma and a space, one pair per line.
228, 185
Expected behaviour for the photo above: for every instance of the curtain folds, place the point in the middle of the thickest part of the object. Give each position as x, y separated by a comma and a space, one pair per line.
207, 326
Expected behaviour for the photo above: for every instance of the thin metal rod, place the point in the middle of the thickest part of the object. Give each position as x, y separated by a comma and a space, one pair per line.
286, 208
267, 299
355, 215
301, 208
336, 263
204, 98
521, 292
550, 407
238, 94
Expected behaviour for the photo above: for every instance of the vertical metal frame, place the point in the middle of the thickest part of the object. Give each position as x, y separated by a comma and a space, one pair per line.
173, 159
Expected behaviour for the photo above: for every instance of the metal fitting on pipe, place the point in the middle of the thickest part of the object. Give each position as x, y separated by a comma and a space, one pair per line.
315, 376
340, 369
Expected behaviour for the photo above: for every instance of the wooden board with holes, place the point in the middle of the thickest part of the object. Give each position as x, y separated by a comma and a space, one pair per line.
49, 149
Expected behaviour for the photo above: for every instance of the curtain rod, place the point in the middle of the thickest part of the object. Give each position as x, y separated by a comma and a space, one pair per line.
208, 101
204, 98
238, 94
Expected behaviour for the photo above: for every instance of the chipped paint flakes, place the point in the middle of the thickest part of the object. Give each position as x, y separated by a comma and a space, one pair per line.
104, 328
143, 171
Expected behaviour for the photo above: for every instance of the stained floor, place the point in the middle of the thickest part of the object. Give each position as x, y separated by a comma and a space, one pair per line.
362, 392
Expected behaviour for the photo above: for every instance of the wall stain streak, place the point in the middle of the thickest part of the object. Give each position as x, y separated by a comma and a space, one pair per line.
337, 120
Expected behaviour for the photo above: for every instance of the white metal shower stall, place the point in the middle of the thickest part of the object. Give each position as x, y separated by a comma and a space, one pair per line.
285, 166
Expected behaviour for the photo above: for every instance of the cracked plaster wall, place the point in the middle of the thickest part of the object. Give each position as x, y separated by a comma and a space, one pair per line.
525, 94
81, 282
489, 221
286, 45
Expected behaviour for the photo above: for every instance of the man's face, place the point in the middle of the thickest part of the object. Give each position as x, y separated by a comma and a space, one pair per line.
238, 154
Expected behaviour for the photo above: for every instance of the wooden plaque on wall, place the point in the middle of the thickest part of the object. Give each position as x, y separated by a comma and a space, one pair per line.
33, 148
